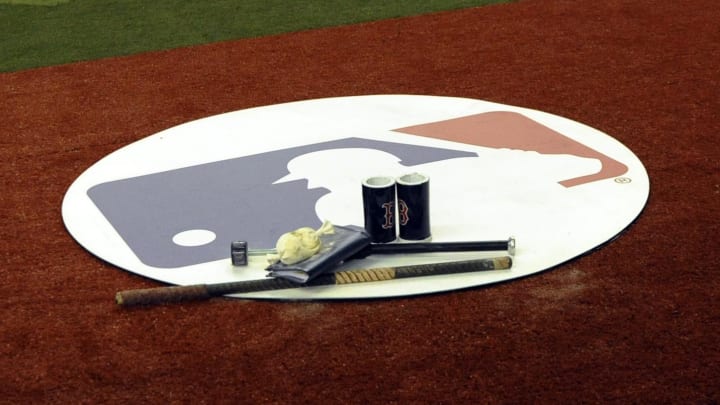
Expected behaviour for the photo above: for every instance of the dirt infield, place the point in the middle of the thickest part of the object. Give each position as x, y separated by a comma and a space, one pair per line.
636, 321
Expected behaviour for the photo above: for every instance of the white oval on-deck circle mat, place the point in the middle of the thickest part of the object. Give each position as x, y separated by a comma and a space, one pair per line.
168, 206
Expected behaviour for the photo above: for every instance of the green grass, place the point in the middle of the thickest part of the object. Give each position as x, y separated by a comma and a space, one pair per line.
45, 32
34, 2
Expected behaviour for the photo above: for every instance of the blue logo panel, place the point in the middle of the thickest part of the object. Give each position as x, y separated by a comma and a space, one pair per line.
235, 199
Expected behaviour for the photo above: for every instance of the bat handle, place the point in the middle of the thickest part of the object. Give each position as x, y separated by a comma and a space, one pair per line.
162, 295
165, 295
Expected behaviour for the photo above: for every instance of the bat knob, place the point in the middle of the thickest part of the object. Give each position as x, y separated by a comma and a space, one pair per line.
239, 253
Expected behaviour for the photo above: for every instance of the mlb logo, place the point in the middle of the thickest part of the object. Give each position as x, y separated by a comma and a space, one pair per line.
168, 206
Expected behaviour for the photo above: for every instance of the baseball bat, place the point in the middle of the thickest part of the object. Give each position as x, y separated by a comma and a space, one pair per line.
162, 295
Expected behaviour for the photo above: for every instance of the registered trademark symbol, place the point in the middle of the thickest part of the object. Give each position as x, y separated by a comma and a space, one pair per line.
623, 180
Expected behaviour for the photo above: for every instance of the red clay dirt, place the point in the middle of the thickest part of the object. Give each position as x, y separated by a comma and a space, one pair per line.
636, 321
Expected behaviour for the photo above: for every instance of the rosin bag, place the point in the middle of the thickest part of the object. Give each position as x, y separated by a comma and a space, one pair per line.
335, 248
